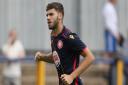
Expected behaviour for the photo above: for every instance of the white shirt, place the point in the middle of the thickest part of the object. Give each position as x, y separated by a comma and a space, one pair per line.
12, 69
110, 19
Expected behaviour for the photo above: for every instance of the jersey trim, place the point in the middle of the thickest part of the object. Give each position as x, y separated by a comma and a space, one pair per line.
74, 67
85, 49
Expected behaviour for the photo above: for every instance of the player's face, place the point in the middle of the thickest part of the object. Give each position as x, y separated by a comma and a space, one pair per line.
52, 18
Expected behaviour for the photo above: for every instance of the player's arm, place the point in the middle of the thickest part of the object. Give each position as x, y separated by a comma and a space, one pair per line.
44, 57
77, 46
68, 79
84, 64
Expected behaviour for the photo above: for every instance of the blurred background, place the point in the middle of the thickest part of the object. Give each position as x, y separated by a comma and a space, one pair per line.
84, 17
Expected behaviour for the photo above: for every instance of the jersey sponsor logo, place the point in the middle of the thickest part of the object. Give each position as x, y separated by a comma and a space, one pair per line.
60, 44
56, 58
71, 36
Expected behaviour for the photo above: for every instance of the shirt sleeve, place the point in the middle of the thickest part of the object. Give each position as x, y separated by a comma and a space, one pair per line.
75, 43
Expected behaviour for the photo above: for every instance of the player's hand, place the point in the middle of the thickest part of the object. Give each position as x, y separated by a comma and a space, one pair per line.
66, 79
38, 56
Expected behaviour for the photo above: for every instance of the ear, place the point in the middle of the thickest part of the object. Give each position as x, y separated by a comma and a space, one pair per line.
60, 16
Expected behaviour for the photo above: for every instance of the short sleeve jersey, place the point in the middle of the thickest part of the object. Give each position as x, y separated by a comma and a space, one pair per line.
66, 49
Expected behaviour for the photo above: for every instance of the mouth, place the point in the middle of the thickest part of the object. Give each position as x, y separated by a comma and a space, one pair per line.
49, 22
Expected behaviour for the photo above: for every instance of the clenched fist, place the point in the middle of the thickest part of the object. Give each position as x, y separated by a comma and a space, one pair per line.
66, 79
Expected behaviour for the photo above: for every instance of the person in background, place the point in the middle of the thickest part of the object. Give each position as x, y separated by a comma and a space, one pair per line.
112, 35
13, 51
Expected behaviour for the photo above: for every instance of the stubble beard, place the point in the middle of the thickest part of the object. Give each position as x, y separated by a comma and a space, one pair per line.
54, 25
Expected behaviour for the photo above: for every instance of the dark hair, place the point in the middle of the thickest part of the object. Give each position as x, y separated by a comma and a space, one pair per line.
57, 6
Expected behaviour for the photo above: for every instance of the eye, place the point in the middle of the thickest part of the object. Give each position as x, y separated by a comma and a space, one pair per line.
50, 14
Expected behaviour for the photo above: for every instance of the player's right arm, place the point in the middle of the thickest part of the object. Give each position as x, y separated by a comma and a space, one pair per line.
44, 57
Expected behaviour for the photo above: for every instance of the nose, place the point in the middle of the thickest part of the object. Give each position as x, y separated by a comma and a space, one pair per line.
48, 17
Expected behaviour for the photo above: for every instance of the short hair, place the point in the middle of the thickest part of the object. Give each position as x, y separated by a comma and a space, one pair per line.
57, 6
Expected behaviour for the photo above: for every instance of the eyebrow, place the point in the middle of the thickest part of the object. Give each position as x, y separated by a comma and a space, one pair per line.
49, 14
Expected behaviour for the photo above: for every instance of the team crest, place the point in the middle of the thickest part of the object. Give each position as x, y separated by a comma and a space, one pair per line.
72, 37
60, 44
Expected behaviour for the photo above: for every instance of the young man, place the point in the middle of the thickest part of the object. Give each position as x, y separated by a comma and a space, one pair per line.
66, 48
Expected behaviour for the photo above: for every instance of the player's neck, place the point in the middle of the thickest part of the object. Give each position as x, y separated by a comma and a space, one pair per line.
57, 30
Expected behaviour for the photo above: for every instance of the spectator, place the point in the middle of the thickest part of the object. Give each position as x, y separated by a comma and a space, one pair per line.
13, 51
112, 35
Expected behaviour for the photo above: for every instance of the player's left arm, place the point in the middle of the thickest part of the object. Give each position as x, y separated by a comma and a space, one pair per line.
85, 63
68, 79
78, 46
